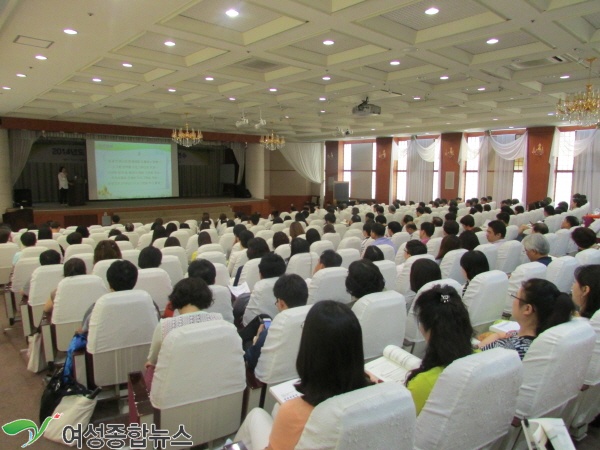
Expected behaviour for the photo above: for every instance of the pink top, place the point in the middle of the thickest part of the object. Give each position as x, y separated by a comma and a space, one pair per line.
289, 424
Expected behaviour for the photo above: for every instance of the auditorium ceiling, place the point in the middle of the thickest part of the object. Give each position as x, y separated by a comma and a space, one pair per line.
428, 73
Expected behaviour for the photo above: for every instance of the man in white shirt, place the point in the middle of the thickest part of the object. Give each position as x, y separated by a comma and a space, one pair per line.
63, 186
495, 233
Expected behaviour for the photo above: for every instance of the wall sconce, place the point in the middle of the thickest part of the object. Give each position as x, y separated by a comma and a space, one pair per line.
330, 155
382, 154
538, 151
449, 153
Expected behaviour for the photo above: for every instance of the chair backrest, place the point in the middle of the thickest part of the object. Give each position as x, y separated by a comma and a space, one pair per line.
389, 252
50, 244
319, 247
121, 328
592, 377
512, 231
172, 266
303, 264
561, 272
144, 241
403, 273
388, 270
351, 241
563, 237
7, 253
450, 265
265, 234
262, 300
277, 362
76, 249
491, 253
378, 416
553, 222
101, 267
382, 317
222, 278
433, 246
157, 283
22, 273
509, 256
178, 252
134, 238
588, 256
521, 274
44, 280
334, 238
482, 237
124, 245
32, 252
87, 258
132, 255
554, 368
213, 257
445, 423
329, 284
485, 297
182, 236
210, 248
250, 273
221, 302
349, 255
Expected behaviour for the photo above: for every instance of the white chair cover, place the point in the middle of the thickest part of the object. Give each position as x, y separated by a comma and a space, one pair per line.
329, 284
446, 424
381, 416
284, 251
157, 283
250, 273
512, 231
388, 270
482, 237
262, 300
509, 256
222, 278
349, 255
303, 264
450, 265
76, 249
74, 295
382, 317
172, 266
101, 267
561, 272
179, 252
7, 253
553, 222
389, 253
563, 239
32, 252
213, 257
588, 256
433, 246
491, 253
319, 247
191, 246
485, 297
50, 244
182, 236
400, 238
521, 274
124, 245
210, 248
21, 274
44, 280
334, 238
133, 256
403, 273
277, 362
265, 234
221, 302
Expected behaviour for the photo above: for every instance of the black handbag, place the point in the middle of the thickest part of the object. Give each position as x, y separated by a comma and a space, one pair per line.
58, 387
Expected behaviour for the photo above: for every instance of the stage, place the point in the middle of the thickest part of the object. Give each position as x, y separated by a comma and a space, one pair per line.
146, 210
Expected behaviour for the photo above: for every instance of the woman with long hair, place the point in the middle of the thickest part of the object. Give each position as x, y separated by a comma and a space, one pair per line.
586, 290
330, 362
449, 243
107, 249
473, 263
445, 325
296, 230
538, 305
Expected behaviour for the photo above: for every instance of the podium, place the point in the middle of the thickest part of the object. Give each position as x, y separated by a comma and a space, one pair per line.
76, 194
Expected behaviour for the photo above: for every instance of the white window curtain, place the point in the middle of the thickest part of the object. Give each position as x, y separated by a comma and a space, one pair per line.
468, 153
239, 151
507, 149
306, 159
19, 145
554, 150
586, 167
421, 154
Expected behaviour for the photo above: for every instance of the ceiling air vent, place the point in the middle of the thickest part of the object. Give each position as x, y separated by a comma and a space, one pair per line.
32, 42
259, 65
522, 65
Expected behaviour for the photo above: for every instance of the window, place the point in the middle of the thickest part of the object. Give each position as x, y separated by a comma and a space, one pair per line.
563, 173
436, 170
517, 190
360, 163
471, 171
402, 170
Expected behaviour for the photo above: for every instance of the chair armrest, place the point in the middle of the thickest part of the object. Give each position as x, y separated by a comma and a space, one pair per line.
138, 397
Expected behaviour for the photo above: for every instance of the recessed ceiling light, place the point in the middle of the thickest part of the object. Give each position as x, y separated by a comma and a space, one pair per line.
326, 78
6, 88
287, 117
172, 90
432, 11
372, 129
127, 65
170, 43
232, 13
273, 89
328, 42
416, 98
511, 127
447, 123
550, 114
232, 99
481, 89
322, 99
322, 111
494, 118
492, 41
444, 77
41, 57
209, 78
21, 75
394, 63
97, 80
69, 31
564, 77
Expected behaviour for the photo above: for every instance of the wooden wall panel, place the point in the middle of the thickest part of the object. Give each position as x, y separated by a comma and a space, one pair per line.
538, 166
449, 164
384, 162
334, 166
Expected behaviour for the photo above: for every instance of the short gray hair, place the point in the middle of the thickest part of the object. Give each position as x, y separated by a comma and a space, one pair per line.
537, 242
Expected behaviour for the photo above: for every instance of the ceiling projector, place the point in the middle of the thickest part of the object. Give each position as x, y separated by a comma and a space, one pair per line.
242, 122
366, 109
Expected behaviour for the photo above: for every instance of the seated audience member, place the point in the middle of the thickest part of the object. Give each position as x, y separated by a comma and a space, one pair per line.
381, 219
355, 218
406, 220
47, 258
172, 241
28, 239
44, 233
393, 227
503, 217
71, 268
237, 229
121, 276
449, 242
496, 232
586, 290
363, 278
121, 237
205, 239
107, 249
369, 217
298, 245
427, 230
567, 224
450, 228
280, 238
468, 223
548, 210
290, 291
114, 232
437, 222
584, 238
379, 237
422, 272
468, 240
170, 228
83, 231
537, 248
519, 210
411, 229
5, 235
328, 228
414, 247
115, 219
367, 239
446, 327
312, 236
537, 306
296, 230
129, 227
257, 248
158, 233
330, 362
329, 258
539, 228
237, 259
150, 257
190, 296
74, 238
330, 218
473, 263
373, 253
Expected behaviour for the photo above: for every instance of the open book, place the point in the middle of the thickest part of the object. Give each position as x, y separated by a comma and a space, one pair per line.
394, 365
542, 434
285, 391
505, 326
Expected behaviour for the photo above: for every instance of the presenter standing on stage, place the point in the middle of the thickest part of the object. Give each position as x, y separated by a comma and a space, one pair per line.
63, 186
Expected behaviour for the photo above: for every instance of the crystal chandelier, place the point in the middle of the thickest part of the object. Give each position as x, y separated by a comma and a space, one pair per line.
272, 142
582, 108
188, 137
